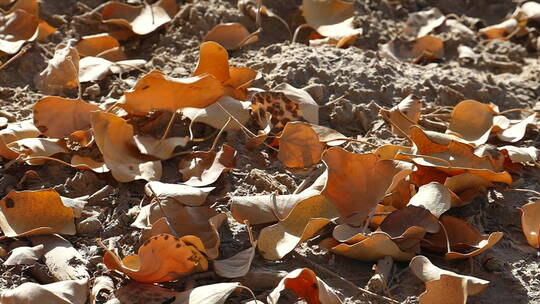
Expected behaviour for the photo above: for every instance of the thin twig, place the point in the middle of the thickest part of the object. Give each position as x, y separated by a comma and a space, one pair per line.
517, 110
448, 249
250, 291
169, 126
12, 59
329, 272
523, 190
214, 143
158, 201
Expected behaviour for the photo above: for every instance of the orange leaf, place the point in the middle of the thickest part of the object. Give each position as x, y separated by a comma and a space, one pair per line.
403, 115
472, 121
62, 71
35, 213
19, 26
357, 182
155, 91
114, 138
465, 241
306, 285
161, 258
100, 45
425, 48
58, 117
530, 223
299, 146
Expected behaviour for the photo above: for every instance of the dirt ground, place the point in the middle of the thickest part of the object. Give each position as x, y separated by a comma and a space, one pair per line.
344, 82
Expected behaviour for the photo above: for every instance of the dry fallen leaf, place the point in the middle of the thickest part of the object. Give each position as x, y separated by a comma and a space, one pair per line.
263, 209
100, 45
214, 116
369, 248
19, 26
62, 71
24, 255
183, 194
203, 168
202, 222
97, 68
332, 18
114, 138
58, 117
357, 182
423, 23
403, 115
466, 186
308, 106
516, 132
426, 48
306, 285
13, 132
299, 146
443, 286
35, 213
304, 220
520, 154
434, 197
161, 258
501, 30
530, 223
161, 149
236, 266
101, 283
230, 35
142, 19
464, 240
63, 292
213, 293
472, 121
171, 94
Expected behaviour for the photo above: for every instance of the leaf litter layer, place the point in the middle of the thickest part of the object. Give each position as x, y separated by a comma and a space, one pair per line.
258, 161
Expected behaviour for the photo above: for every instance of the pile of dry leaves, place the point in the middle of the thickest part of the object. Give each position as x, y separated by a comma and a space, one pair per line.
390, 204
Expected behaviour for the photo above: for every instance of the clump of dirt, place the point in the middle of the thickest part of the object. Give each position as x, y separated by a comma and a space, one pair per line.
349, 84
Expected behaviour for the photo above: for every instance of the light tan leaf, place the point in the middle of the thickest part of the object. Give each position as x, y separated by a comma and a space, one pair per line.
516, 132
403, 115
214, 293
62, 71
501, 30
263, 209
183, 194
305, 219
530, 223
87, 163
96, 68
466, 186
24, 255
331, 18
142, 19
162, 149
306, 285
214, 116
236, 266
230, 35
63, 292
521, 154
203, 168
308, 106
426, 48
423, 23
434, 197
101, 283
